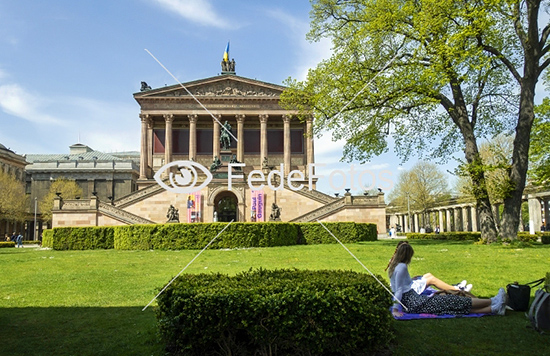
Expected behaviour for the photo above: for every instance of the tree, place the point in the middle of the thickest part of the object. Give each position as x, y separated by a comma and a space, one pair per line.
496, 156
420, 188
539, 151
13, 200
68, 189
434, 75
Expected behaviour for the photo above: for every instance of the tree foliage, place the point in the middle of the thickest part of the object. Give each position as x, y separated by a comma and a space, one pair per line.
13, 200
432, 75
421, 188
539, 151
68, 189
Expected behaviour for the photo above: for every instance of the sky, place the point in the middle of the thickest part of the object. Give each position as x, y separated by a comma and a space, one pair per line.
68, 70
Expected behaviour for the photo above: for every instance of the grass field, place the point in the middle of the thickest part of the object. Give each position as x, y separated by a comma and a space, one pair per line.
90, 302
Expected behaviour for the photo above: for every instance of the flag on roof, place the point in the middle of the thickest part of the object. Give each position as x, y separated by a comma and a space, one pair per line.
226, 53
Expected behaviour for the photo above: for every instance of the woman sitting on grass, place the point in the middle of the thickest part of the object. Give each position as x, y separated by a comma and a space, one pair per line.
420, 283
401, 283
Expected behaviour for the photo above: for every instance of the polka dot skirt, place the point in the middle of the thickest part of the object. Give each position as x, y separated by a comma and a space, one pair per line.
436, 304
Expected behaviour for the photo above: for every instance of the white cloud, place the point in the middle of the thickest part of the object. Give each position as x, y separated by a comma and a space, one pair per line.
16, 101
198, 11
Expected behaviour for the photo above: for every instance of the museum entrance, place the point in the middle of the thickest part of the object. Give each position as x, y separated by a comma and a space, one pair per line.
226, 207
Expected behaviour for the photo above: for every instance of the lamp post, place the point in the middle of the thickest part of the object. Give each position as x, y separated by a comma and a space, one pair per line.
34, 226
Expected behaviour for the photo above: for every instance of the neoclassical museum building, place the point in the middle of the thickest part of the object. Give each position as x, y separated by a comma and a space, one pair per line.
221, 149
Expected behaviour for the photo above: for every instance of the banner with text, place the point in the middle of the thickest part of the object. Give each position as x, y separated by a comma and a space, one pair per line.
258, 200
194, 207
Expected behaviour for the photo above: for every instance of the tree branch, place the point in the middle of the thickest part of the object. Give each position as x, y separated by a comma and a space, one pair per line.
503, 59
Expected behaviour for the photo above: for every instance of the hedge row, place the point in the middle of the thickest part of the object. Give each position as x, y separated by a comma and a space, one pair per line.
468, 236
7, 244
278, 312
196, 236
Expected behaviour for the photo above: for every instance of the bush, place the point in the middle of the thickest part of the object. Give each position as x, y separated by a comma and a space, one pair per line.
47, 238
545, 238
285, 312
7, 244
198, 235
527, 237
79, 238
454, 236
346, 232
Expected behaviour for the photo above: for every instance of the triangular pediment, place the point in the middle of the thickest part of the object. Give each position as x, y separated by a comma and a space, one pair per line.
219, 86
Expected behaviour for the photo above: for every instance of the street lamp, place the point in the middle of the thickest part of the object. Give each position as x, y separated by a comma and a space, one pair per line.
35, 201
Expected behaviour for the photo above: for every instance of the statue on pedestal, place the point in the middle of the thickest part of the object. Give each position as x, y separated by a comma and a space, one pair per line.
275, 213
215, 164
173, 215
225, 137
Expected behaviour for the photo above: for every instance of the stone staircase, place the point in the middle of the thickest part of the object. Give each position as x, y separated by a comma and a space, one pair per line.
322, 212
138, 195
121, 215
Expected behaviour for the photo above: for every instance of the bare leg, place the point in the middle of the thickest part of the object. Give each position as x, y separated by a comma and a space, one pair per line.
433, 281
481, 305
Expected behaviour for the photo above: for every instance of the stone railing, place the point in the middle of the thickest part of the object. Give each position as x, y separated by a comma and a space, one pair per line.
122, 215
322, 211
313, 194
138, 195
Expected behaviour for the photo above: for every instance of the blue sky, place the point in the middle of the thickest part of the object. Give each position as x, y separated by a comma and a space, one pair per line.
68, 68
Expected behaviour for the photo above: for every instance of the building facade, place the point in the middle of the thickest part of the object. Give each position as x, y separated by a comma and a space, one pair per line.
254, 161
13, 164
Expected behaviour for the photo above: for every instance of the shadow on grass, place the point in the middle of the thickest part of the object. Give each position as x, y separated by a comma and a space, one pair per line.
79, 331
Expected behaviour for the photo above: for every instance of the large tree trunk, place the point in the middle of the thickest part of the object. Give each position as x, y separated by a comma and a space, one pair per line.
520, 156
520, 161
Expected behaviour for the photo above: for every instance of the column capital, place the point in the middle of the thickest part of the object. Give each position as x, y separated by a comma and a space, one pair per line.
240, 118
168, 117
145, 118
263, 118
193, 118
287, 118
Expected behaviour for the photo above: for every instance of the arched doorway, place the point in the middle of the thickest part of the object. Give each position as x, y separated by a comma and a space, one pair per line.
226, 206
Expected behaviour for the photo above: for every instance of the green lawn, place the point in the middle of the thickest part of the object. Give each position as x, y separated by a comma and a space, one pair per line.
90, 302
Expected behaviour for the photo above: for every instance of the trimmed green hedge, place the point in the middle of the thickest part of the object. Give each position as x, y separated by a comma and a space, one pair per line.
79, 238
4, 244
279, 312
198, 235
545, 238
454, 236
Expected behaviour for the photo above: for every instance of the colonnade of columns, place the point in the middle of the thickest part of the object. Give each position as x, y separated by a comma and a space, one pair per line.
451, 218
146, 159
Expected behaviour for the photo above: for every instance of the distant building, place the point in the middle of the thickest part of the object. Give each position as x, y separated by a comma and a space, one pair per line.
13, 164
108, 176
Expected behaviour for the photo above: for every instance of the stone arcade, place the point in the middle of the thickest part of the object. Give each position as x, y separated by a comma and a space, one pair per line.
264, 138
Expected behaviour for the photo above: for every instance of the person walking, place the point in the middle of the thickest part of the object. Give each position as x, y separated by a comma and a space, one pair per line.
19, 240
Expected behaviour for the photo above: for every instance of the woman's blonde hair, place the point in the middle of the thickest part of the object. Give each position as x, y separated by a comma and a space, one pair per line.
403, 254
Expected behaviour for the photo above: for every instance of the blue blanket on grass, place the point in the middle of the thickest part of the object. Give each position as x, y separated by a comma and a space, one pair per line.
429, 292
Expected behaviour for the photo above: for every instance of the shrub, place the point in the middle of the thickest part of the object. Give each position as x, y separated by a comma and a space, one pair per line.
545, 238
315, 233
7, 244
47, 238
80, 238
454, 236
288, 312
527, 237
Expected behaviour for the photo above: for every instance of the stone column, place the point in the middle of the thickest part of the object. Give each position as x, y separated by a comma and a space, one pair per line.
240, 137
263, 137
309, 142
216, 139
473, 209
416, 229
535, 215
150, 148
448, 218
457, 216
169, 119
286, 144
143, 160
193, 136
546, 214
406, 226
440, 222
465, 219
